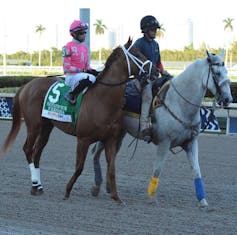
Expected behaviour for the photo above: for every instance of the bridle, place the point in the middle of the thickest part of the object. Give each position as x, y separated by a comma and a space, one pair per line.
136, 61
140, 64
217, 84
214, 77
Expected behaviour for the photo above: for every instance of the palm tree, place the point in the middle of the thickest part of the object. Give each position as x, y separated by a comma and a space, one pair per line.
39, 29
229, 28
99, 30
228, 24
160, 31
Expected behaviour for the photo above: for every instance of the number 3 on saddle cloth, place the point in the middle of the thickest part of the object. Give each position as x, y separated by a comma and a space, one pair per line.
57, 108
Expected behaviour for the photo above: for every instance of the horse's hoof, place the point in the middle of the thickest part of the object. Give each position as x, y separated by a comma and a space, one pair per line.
95, 191
35, 191
203, 203
122, 204
66, 196
153, 201
117, 199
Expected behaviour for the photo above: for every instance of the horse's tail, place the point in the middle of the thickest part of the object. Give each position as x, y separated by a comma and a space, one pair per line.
16, 123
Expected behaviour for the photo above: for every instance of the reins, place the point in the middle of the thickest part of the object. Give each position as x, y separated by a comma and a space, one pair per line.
194, 128
112, 84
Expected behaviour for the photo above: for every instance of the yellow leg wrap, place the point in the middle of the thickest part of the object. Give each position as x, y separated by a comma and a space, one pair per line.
152, 186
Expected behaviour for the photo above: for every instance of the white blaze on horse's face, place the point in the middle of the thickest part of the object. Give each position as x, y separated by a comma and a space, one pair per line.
218, 82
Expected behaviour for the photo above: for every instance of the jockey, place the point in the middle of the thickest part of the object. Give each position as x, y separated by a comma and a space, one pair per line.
149, 48
76, 66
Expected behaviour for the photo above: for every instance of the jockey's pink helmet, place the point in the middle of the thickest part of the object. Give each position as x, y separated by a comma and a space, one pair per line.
78, 25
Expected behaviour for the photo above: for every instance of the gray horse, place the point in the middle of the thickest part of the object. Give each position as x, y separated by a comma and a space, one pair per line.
176, 122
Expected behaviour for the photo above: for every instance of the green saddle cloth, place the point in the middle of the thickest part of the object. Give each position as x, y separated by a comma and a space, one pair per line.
57, 108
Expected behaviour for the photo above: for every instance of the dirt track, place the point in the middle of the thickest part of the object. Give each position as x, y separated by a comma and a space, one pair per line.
176, 213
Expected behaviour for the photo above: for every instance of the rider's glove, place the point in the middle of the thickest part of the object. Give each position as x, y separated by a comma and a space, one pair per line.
165, 74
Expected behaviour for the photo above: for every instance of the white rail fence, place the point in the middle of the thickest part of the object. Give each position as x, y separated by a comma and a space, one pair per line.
30, 69
58, 69
229, 113
9, 69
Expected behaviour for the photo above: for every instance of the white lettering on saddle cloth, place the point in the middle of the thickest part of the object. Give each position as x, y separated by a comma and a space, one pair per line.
52, 108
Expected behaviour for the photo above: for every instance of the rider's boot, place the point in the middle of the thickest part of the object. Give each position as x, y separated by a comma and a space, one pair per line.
145, 123
71, 96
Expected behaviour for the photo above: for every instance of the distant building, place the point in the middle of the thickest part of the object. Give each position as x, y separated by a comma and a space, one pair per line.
190, 32
112, 39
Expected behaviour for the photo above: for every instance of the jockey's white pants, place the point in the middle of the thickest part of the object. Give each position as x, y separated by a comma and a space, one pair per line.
146, 103
73, 79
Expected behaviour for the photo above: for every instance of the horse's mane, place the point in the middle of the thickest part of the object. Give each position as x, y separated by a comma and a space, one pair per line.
112, 57
190, 69
116, 54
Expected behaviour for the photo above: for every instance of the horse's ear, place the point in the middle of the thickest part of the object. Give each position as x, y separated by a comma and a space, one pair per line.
222, 53
208, 54
129, 40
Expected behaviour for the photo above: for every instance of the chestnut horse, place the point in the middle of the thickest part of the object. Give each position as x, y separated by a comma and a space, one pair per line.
99, 117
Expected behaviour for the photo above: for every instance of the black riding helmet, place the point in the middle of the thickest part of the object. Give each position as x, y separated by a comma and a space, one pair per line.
149, 22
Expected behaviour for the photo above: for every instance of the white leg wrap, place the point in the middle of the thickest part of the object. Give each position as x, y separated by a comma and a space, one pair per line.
35, 174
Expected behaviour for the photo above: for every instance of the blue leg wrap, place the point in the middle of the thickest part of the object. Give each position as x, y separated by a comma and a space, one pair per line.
199, 189
98, 174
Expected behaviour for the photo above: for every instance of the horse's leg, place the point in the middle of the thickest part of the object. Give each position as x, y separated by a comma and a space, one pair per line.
32, 134
98, 148
111, 147
192, 153
120, 140
40, 143
162, 151
82, 149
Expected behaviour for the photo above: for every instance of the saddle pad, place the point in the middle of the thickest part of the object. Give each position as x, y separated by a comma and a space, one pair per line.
133, 104
133, 99
56, 107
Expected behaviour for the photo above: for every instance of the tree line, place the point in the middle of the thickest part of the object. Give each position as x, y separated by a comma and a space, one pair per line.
54, 56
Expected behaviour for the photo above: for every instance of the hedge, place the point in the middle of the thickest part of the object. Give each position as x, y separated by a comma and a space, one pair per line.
14, 81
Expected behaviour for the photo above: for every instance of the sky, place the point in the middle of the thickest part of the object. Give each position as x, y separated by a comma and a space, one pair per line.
19, 18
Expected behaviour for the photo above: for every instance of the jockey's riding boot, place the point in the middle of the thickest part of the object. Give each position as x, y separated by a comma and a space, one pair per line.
145, 123
72, 96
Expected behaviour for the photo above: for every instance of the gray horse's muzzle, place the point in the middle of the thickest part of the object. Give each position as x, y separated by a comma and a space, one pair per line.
224, 101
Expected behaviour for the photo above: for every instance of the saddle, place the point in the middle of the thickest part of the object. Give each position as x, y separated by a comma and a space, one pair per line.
133, 97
